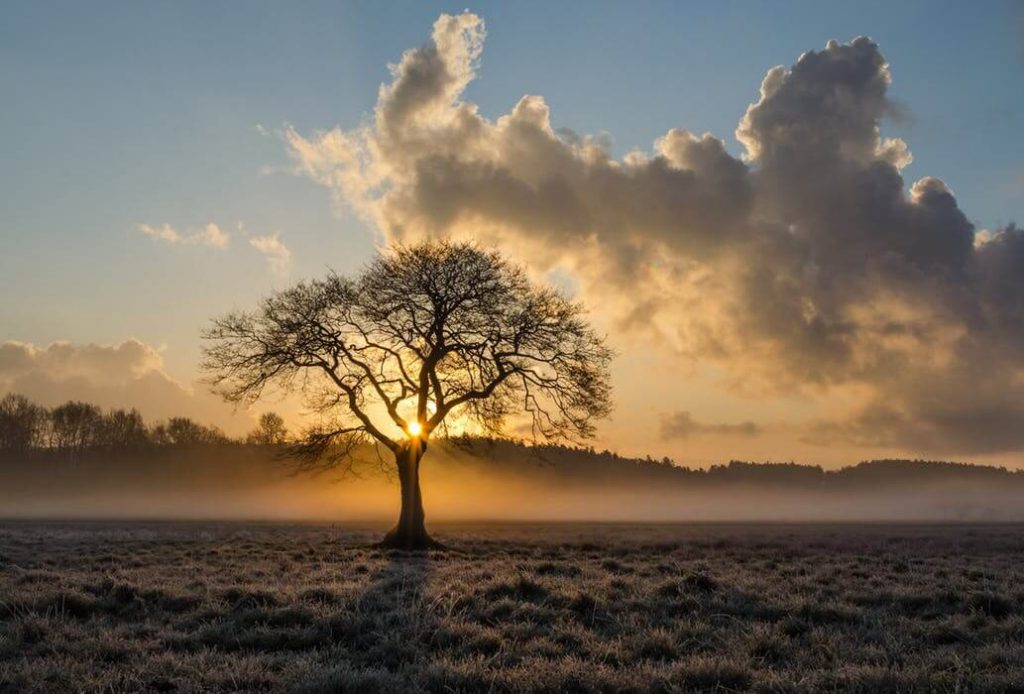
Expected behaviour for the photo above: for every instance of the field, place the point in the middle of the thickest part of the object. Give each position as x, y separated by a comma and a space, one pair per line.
566, 607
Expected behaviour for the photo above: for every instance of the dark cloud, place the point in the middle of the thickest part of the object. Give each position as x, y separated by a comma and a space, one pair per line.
682, 425
808, 265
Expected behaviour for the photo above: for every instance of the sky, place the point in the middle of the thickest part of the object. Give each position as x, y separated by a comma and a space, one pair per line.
164, 163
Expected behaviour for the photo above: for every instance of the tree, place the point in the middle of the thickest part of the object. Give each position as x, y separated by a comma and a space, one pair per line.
427, 337
75, 426
124, 429
270, 431
159, 436
22, 423
182, 431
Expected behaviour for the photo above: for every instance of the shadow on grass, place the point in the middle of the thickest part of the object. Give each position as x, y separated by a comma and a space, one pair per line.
386, 633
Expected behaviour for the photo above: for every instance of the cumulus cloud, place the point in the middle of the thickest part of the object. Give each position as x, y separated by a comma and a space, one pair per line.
279, 258
682, 425
210, 235
129, 374
808, 264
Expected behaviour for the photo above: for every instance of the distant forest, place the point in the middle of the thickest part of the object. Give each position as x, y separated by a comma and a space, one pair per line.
78, 430
76, 427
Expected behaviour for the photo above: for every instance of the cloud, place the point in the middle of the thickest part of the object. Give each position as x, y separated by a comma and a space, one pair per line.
165, 233
682, 425
210, 235
129, 374
279, 258
808, 265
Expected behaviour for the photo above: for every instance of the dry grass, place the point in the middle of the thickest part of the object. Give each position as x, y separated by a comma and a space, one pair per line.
231, 607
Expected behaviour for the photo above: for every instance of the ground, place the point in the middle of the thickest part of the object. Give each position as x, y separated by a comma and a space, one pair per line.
313, 608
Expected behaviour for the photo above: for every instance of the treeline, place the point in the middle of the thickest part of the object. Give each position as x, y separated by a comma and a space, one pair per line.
583, 463
76, 427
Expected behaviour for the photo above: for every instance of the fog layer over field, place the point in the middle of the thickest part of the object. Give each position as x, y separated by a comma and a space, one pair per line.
495, 482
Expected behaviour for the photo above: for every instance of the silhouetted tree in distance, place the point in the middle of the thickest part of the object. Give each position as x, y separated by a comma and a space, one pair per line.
123, 429
23, 424
270, 431
182, 431
75, 426
426, 334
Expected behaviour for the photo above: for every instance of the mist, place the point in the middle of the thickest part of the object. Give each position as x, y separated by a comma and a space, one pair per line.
494, 482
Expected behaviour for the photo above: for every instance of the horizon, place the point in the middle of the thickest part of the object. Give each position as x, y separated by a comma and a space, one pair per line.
153, 435
487, 481
152, 189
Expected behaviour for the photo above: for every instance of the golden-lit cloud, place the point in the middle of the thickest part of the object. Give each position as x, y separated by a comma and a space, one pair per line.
210, 235
806, 265
279, 258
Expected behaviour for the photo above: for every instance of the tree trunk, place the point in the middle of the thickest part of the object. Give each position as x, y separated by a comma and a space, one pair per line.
410, 532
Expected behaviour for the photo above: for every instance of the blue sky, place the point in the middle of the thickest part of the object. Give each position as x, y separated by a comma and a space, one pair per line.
119, 114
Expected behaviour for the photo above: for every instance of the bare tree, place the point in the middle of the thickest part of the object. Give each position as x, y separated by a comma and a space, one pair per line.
124, 429
22, 423
182, 431
427, 337
270, 431
75, 426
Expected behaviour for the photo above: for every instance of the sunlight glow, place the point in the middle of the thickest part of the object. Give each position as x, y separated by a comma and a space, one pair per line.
414, 428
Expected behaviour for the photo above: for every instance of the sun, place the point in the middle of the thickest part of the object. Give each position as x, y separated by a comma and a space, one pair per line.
414, 428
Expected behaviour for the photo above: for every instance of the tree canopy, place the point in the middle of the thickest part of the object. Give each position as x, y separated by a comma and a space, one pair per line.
423, 332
